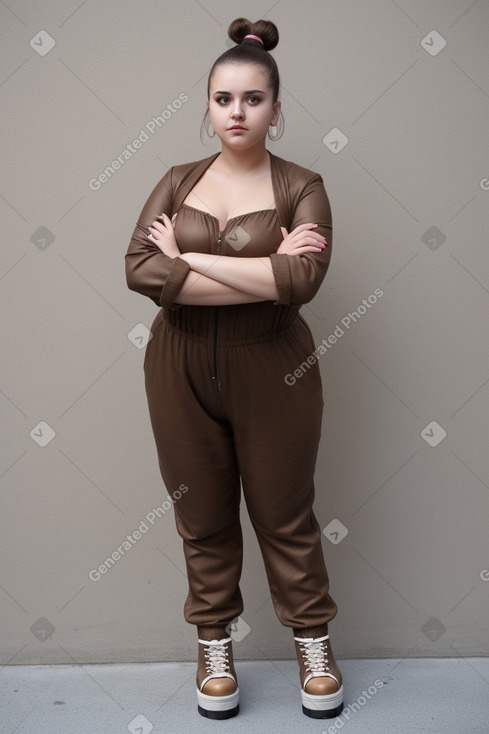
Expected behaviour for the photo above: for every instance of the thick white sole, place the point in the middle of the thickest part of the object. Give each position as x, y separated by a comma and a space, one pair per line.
218, 707
322, 707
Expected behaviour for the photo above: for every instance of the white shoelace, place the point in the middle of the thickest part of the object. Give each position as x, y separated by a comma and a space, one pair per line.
315, 654
216, 655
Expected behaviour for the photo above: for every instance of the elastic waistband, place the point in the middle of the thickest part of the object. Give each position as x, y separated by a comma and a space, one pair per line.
235, 325
225, 342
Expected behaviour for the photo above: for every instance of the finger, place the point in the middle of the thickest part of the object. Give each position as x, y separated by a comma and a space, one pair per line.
315, 238
306, 225
165, 220
163, 226
311, 238
307, 247
308, 242
312, 248
284, 232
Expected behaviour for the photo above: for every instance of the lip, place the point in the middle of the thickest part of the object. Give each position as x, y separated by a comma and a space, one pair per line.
237, 127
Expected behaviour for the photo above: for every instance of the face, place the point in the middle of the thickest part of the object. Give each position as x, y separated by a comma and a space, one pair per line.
239, 94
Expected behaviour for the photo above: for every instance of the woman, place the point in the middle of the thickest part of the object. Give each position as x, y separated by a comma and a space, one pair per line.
230, 247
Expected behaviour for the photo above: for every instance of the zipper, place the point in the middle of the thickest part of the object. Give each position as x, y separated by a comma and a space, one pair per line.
216, 322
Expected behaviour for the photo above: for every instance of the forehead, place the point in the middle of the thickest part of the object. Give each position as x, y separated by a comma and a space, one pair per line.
236, 78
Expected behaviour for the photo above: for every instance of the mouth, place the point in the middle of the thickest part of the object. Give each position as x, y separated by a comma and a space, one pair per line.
237, 127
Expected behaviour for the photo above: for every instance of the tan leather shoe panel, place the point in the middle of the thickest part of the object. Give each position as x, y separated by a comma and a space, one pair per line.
219, 687
321, 686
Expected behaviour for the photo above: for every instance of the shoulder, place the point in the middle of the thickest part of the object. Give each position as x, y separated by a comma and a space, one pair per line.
296, 175
298, 183
181, 171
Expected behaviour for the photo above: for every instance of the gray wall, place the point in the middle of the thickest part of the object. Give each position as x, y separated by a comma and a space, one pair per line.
409, 194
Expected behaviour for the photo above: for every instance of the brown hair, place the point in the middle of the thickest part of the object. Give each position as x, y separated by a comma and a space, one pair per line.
250, 51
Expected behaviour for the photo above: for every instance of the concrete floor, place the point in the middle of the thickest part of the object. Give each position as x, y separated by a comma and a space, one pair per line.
417, 695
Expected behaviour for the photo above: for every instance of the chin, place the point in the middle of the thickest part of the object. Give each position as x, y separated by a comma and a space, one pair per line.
244, 141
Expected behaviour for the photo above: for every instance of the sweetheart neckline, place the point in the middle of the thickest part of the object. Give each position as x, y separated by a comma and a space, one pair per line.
238, 216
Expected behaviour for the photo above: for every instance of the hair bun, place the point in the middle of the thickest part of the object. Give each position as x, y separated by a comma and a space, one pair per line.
265, 29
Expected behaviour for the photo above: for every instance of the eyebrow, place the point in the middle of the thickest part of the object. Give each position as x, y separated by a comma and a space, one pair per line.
248, 91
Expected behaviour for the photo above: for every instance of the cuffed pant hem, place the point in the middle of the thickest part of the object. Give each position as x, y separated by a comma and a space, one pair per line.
318, 631
211, 633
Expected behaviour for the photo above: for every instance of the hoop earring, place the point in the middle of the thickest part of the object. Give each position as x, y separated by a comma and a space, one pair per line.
206, 123
273, 131
209, 125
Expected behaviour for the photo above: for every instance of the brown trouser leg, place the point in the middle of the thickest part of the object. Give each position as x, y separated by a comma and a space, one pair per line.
277, 428
195, 449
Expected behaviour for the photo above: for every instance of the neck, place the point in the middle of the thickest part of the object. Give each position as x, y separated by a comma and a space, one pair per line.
244, 160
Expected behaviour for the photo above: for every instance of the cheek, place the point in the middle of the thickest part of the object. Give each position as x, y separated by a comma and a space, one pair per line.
262, 113
216, 112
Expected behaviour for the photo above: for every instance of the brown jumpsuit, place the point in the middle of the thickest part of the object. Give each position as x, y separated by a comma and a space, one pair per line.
220, 407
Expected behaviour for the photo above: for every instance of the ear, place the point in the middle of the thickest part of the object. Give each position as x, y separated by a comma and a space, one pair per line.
276, 111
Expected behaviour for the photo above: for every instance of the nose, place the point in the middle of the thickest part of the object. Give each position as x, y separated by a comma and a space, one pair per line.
237, 111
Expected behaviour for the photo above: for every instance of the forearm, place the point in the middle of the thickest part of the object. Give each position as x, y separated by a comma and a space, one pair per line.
199, 290
252, 274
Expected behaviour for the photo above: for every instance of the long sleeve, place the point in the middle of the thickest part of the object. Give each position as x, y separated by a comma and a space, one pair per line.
298, 277
148, 270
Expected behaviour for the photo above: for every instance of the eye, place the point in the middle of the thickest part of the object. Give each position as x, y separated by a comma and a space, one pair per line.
219, 99
258, 99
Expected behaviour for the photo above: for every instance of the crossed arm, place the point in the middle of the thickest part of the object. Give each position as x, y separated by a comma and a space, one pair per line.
222, 280
244, 280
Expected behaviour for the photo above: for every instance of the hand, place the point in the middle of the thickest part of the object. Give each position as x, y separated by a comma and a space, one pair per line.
162, 234
301, 240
